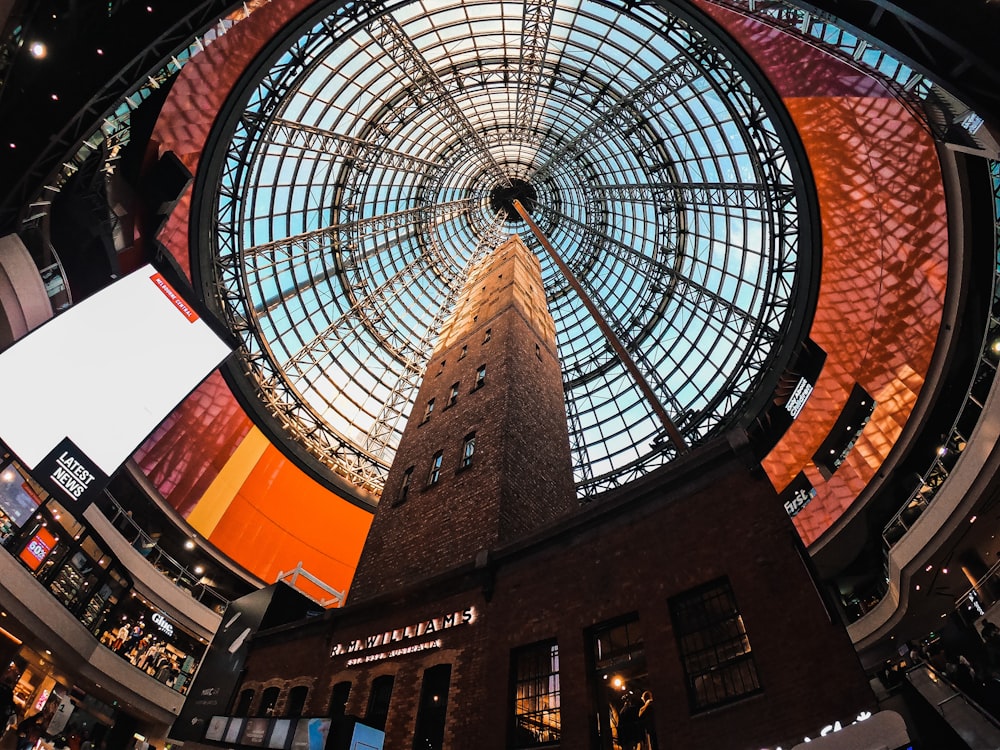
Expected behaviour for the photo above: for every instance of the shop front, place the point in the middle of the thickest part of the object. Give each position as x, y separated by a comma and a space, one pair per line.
153, 642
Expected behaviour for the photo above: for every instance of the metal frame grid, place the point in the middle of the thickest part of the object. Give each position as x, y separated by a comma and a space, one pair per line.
354, 196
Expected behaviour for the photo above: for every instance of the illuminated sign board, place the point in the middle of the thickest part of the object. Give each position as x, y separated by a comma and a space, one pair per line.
803, 390
38, 549
397, 642
797, 495
162, 623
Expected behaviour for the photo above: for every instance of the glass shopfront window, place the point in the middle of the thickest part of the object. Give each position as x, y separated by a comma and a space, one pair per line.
151, 641
18, 501
621, 683
70, 562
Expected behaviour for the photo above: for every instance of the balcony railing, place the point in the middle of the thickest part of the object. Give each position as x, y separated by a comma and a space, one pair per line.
173, 570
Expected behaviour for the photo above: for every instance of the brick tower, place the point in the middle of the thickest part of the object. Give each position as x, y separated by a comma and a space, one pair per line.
485, 454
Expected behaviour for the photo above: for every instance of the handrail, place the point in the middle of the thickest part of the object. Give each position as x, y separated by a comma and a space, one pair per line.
292, 576
972, 406
163, 562
931, 482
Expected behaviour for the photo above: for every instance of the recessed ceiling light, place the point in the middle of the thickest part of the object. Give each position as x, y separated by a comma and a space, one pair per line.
37, 50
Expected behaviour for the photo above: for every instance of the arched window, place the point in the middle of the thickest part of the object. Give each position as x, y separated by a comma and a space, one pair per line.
267, 700
433, 706
378, 701
338, 698
242, 707
296, 700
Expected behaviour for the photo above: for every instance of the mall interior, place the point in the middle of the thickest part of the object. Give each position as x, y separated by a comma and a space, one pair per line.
550, 356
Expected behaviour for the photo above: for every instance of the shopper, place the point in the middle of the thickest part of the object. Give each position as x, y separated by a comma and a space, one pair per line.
29, 731
647, 721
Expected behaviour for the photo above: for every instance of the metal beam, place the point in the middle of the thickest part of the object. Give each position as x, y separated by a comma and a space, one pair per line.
654, 402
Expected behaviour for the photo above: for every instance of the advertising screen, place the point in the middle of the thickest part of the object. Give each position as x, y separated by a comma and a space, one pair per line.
216, 727
234, 729
367, 738
38, 549
310, 734
279, 734
254, 732
16, 499
126, 357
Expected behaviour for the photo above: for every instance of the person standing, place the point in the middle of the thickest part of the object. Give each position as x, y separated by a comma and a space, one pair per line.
647, 721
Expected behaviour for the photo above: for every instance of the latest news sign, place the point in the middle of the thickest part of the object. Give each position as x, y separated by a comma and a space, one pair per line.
91, 384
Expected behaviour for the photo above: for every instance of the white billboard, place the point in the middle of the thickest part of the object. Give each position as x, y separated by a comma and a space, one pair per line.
100, 377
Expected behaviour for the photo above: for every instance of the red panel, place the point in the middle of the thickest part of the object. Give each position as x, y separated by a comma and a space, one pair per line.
281, 517
190, 447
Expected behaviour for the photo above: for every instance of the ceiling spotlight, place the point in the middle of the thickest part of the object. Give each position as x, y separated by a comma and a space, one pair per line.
944, 570
189, 544
198, 570
929, 568
973, 519
37, 50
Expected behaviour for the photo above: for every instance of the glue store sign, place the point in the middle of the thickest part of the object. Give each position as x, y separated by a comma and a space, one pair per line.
835, 727
162, 623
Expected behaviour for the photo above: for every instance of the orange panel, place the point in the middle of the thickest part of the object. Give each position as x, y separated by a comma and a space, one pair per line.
281, 516
885, 253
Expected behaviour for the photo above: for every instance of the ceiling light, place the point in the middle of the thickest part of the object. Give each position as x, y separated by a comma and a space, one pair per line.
944, 570
973, 519
189, 544
929, 568
198, 570
917, 587
37, 50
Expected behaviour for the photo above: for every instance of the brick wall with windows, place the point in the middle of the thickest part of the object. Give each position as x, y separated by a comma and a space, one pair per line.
619, 589
494, 376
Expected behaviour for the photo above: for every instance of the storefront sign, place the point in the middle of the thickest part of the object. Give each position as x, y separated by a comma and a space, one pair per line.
797, 494
399, 635
162, 623
803, 390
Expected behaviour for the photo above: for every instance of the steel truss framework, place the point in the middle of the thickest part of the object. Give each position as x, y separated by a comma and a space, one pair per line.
354, 196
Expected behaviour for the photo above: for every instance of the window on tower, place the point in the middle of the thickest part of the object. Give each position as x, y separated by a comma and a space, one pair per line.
404, 488
453, 396
435, 473
488, 336
468, 450
427, 411
480, 377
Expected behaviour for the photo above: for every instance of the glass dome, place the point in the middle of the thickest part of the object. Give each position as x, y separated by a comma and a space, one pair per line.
372, 159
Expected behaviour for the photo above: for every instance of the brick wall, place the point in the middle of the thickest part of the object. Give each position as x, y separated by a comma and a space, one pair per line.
630, 554
520, 476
